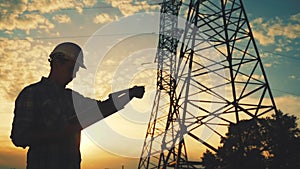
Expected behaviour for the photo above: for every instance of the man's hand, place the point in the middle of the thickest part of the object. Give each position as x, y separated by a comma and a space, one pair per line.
137, 91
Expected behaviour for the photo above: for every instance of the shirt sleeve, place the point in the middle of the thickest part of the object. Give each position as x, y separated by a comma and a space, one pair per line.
107, 107
89, 111
23, 118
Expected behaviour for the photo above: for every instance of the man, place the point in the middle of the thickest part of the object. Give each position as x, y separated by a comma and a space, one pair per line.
45, 115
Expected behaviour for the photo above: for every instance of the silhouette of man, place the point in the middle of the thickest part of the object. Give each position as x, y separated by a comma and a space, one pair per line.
45, 119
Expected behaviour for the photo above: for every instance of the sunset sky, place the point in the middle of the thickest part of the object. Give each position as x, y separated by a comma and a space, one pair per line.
120, 32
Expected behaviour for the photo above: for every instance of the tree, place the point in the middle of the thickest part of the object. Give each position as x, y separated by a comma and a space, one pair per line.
284, 142
272, 143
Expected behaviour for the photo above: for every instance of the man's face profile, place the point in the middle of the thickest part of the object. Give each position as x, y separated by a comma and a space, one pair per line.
66, 71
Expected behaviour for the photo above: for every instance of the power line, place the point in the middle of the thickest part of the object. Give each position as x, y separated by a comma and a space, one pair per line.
279, 90
108, 6
84, 36
134, 33
283, 30
65, 9
286, 57
74, 9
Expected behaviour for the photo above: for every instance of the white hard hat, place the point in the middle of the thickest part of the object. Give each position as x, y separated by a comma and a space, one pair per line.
69, 51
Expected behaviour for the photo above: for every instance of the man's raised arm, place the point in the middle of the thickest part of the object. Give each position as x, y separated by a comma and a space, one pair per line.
92, 111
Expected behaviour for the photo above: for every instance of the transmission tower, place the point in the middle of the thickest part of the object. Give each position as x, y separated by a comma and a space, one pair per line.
209, 76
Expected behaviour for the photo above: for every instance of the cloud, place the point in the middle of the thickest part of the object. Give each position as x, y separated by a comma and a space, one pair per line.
290, 31
295, 17
51, 6
127, 8
292, 77
22, 62
25, 22
56, 5
26, 16
62, 18
289, 104
265, 31
262, 38
268, 64
104, 18
278, 49
13, 17
7, 7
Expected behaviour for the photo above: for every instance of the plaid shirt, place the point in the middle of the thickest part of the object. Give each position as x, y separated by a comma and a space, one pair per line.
46, 107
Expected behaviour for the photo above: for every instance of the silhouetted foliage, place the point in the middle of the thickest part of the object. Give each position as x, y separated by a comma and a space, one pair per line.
265, 143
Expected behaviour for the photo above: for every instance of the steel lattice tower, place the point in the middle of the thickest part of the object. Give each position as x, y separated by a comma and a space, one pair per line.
209, 75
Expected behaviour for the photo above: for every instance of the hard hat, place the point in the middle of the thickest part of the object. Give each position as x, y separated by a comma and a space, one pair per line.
69, 51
